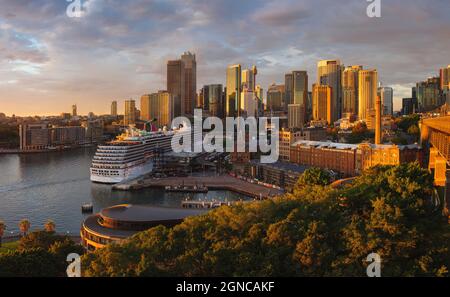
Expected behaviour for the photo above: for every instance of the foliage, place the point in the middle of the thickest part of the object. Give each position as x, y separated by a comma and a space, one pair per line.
316, 231
314, 176
414, 131
39, 253
359, 133
50, 226
24, 226
406, 122
9, 135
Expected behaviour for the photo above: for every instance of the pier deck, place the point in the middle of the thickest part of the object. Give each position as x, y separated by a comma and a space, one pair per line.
222, 182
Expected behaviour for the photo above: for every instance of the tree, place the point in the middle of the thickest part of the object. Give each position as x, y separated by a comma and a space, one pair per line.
39, 239
414, 130
50, 226
28, 263
2, 231
40, 254
315, 231
315, 176
24, 226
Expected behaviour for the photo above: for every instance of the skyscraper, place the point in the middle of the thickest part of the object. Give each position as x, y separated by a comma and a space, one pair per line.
157, 107
215, 95
300, 92
233, 92
74, 110
249, 78
114, 108
350, 90
367, 94
190, 83
130, 112
294, 116
329, 74
322, 103
444, 78
428, 94
275, 97
387, 100
288, 83
176, 84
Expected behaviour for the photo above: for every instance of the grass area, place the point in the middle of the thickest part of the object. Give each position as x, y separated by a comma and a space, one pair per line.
8, 246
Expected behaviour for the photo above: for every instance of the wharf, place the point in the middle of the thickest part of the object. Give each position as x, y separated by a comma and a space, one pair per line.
221, 182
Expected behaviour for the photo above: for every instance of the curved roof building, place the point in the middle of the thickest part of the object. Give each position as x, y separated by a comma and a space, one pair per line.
116, 223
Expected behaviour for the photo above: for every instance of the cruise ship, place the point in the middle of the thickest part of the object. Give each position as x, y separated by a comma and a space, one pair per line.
129, 155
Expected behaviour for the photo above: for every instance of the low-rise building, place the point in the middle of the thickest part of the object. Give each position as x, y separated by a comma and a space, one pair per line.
338, 157
282, 174
352, 159
116, 223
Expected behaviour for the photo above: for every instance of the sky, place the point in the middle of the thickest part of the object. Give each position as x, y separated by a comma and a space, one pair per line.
118, 49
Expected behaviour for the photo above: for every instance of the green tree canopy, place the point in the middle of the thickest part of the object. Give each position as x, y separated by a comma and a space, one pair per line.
316, 231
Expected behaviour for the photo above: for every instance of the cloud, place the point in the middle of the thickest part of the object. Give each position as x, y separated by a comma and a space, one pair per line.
119, 48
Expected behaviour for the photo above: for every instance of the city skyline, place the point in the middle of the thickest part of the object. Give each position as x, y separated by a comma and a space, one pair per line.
120, 51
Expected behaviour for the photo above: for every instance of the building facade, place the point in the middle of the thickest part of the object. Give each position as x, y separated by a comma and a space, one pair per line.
233, 90
387, 100
367, 94
114, 108
130, 112
275, 97
322, 103
329, 73
350, 85
158, 107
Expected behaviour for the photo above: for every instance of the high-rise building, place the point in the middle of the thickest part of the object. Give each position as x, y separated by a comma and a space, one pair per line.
190, 83
300, 92
288, 86
233, 91
367, 94
74, 110
215, 97
444, 77
329, 74
295, 118
350, 90
275, 97
387, 100
249, 103
428, 94
322, 103
157, 107
114, 108
204, 98
249, 78
176, 84
130, 112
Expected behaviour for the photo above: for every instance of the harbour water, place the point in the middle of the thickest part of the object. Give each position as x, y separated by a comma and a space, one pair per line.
44, 186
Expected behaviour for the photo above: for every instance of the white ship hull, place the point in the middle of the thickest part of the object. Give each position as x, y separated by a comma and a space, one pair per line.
106, 177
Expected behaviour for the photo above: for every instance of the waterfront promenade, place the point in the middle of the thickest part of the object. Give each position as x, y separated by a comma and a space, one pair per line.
221, 182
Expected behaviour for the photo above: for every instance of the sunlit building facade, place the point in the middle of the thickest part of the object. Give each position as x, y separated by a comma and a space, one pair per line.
350, 84
130, 112
158, 107
233, 92
329, 73
322, 103
367, 94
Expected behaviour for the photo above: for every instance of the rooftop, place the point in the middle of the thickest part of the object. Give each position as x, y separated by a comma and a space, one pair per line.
442, 123
326, 144
141, 213
283, 166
